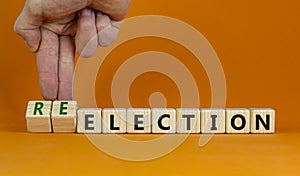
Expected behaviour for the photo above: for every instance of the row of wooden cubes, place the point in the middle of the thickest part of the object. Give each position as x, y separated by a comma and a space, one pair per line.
63, 116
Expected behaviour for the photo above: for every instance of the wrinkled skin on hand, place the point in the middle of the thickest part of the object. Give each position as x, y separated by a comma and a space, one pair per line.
53, 28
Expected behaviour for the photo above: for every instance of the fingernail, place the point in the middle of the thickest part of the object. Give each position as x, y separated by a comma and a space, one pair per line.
107, 36
102, 22
99, 13
86, 12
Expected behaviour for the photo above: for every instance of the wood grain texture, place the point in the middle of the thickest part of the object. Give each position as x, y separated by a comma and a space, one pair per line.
213, 120
114, 120
163, 120
262, 120
89, 120
63, 116
188, 120
237, 120
138, 120
38, 118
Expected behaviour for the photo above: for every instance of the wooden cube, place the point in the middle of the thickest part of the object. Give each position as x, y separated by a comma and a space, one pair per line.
63, 116
238, 120
262, 120
38, 116
114, 120
213, 120
188, 120
163, 120
138, 120
89, 120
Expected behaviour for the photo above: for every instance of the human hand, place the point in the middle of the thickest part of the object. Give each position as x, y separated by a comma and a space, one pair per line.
52, 28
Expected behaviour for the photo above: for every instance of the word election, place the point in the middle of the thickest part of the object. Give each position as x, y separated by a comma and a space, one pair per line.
63, 117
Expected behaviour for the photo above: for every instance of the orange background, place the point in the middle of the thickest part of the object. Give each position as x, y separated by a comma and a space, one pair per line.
258, 45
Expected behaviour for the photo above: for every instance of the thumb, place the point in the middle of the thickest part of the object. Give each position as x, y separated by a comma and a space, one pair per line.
28, 24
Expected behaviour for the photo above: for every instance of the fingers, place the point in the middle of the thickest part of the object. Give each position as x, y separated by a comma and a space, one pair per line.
57, 9
66, 68
107, 30
85, 39
28, 23
116, 9
47, 63
35, 11
64, 26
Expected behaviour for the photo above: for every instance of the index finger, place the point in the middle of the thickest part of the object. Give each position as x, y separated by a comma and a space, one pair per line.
47, 63
65, 68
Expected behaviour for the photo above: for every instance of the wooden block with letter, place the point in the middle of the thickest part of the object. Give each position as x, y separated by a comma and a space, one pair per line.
213, 120
188, 120
38, 116
89, 120
114, 120
163, 120
138, 120
63, 116
262, 120
237, 120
